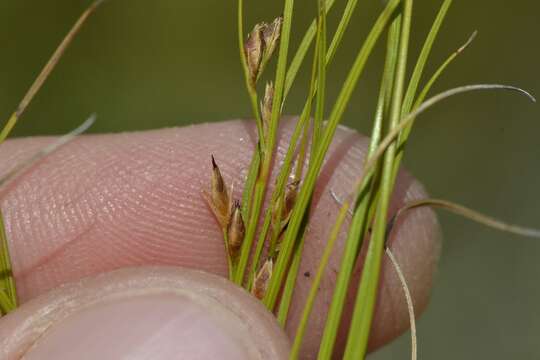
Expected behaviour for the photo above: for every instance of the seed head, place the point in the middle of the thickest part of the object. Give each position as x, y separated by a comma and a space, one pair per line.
266, 105
262, 279
260, 45
236, 230
271, 34
283, 207
290, 198
254, 48
218, 199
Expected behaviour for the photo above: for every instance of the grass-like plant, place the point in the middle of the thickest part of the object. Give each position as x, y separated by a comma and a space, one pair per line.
264, 246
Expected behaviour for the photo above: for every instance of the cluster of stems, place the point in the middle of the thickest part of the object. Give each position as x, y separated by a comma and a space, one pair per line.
271, 250
264, 246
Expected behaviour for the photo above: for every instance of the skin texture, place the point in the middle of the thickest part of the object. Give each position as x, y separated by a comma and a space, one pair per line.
225, 322
105, 202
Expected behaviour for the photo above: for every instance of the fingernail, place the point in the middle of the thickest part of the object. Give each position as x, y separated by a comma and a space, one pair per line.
160, 326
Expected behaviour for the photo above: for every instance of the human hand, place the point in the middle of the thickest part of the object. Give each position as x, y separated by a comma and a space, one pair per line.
105, 202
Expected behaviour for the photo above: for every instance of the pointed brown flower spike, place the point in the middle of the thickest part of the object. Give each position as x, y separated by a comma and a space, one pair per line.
290, 199
262, 279
218, 199
266, 105
236, 230
283, 208
271, 33
260, 45
254, 48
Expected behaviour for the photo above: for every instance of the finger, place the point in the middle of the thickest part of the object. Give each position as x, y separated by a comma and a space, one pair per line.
110, 201
150, 313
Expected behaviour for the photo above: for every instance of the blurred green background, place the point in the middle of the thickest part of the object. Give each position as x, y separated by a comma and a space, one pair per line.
149, 64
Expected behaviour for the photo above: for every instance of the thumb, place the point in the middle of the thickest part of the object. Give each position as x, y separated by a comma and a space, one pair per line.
144, 313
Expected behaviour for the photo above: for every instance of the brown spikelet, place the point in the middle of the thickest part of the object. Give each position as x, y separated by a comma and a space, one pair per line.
261, 43
262, 279
277, 210
266, 105
236, 230
218, 199
290, 199
271, 33
254, 48
283, 207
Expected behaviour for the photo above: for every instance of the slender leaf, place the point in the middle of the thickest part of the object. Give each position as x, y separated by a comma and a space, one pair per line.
249, 185
408, 300
367, 292
321, 78
49, 67
360, 219
404, 134
472, 215
7, 282
424, 55
56, 144
407, 120
308, 306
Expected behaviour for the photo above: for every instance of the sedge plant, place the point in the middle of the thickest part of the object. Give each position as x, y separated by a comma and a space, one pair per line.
264, 246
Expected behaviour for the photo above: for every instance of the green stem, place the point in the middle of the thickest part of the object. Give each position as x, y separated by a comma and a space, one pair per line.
367, 292
308, 306
360, 218
321, 78
6, 277
6, 305
290, 282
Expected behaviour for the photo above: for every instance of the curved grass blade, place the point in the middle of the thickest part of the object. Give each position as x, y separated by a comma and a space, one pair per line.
442, 68
408, 299
49, 67
358, 349
424, 55
61, 141
6, 278
471, 215
407, 120
421, 97
351, 244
